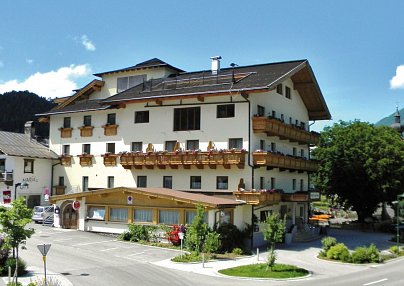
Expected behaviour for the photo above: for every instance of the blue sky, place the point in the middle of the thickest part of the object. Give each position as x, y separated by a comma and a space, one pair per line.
356, 48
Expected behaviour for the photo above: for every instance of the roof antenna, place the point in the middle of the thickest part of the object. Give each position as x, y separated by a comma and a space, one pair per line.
232, 73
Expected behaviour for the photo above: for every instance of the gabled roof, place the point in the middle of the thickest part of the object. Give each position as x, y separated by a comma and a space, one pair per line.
152, 63
255, 78
169, 194
21, 145
78, 106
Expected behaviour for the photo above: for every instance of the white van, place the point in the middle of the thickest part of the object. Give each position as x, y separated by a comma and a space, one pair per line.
41, 213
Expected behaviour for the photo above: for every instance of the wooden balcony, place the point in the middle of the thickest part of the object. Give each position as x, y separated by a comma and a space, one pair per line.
59, 190
86, 131
6, 176
109, 159
110, 129
258, 197
65, 160
283, 162
65, 132
173, 160
275, 127
86, 160
296, 197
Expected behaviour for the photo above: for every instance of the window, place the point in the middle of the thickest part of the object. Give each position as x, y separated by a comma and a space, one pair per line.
111, 118
143, 215
262, 144
283, 211
287, 92
87, 120
273, 114
262, 183
94, 212
297, 122
192, 144
169, 217
168, 182
302, 153
260, 110
294, 151
61, 181
236, 143
118, 214
123, 83
170, 145
111, 148
85, 184
137, 147
187, 118
222, 182
301, 185
111, 181
303, 125
279, 88
273, 146
225, 216
141, 181
264, 215
86, 149
282, 118
2, 165
290, 120
142, 116
190, 215
294, 184
272, 183
66, 149
196, 182
225, 111
28, 166
66, 122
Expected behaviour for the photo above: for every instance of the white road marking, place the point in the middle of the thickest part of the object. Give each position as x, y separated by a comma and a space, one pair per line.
62, 239
97, 242
374, 282
108, 249
136, 253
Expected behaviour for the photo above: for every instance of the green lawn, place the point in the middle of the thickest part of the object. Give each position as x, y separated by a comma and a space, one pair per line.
259, 271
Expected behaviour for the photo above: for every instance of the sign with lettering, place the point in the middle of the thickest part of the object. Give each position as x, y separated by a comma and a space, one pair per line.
314, 196
6, 197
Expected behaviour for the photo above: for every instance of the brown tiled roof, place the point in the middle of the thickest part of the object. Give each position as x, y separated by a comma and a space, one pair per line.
78, 106
209, 201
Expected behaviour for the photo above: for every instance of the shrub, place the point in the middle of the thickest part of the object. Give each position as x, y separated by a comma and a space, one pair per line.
373, 253
212, 242
11, 262
327, 242
189, 257
394, 249
237, 251
137, 233
360, 255
230, 236
339, 252
4, 251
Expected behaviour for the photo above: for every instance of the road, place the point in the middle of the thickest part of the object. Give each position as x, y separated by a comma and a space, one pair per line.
92, 259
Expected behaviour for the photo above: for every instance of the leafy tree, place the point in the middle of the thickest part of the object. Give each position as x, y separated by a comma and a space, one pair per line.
361, 165
197, 231
273, 233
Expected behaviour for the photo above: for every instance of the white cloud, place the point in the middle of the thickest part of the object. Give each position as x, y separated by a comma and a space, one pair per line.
87, 43
398, 80
29, 61
51, 84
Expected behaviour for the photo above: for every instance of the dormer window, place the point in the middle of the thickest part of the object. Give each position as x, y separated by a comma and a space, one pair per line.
123, 83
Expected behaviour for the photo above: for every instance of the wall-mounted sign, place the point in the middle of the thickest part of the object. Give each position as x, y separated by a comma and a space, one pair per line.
6, 197
314, 196
130, 200
76, 205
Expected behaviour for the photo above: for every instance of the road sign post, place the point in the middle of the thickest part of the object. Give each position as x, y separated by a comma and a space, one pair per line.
44, 248
181, 237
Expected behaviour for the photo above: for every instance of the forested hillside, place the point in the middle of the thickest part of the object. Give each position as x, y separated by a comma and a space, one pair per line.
18, 107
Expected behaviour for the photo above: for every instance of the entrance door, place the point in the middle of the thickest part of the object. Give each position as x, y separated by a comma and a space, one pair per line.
69, 217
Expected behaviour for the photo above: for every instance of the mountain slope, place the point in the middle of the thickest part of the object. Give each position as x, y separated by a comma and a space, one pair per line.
388, 120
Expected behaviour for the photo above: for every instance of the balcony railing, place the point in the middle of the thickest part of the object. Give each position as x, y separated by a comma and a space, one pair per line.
275, 127
275, 160
110, 129
295, 197
185, 159
258, 197
110, 159
6, 176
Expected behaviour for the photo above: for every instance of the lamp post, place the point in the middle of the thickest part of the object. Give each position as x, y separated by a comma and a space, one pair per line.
399, 197
23, 184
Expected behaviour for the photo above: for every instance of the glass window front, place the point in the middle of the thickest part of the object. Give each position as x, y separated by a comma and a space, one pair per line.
187, 118
95, 212
169, 217
143, 215
118, 214
196, 182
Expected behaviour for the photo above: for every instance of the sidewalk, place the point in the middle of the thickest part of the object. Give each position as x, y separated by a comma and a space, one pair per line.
35, 274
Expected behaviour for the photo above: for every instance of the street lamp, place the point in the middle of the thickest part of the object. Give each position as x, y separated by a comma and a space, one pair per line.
23, 184
399, 197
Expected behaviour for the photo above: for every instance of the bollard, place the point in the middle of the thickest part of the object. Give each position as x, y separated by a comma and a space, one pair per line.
203, 260
258, 254
9, 274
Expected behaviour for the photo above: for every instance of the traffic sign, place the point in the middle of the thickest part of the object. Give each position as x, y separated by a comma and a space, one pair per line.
76, 205
44, 248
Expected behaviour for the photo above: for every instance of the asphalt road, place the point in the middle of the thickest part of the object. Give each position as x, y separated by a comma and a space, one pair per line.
92, 259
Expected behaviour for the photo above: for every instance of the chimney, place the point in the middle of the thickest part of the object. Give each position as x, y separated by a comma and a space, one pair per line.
215, 64
29, 129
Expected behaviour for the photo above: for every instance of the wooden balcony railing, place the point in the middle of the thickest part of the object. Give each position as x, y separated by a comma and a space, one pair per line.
59, 190
86, 131
86, 159
65, 132
6, 176
281, 161
110, 129
65, 160
275, 127
173, 160
258, 197
296, 197
109, 159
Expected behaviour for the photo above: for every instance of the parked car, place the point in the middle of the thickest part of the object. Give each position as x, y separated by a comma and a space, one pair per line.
42, 212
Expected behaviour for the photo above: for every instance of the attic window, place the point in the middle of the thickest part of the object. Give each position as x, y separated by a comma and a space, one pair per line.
123, 83
28, 166
287, 92
279, 88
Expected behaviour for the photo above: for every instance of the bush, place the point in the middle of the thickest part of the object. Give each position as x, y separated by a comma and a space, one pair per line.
237, 251
138, 233
11, 262
4, 251
212, 242
327, 242
339, 252
230, 236
360, 255
394, 249
373, 254
189, 257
